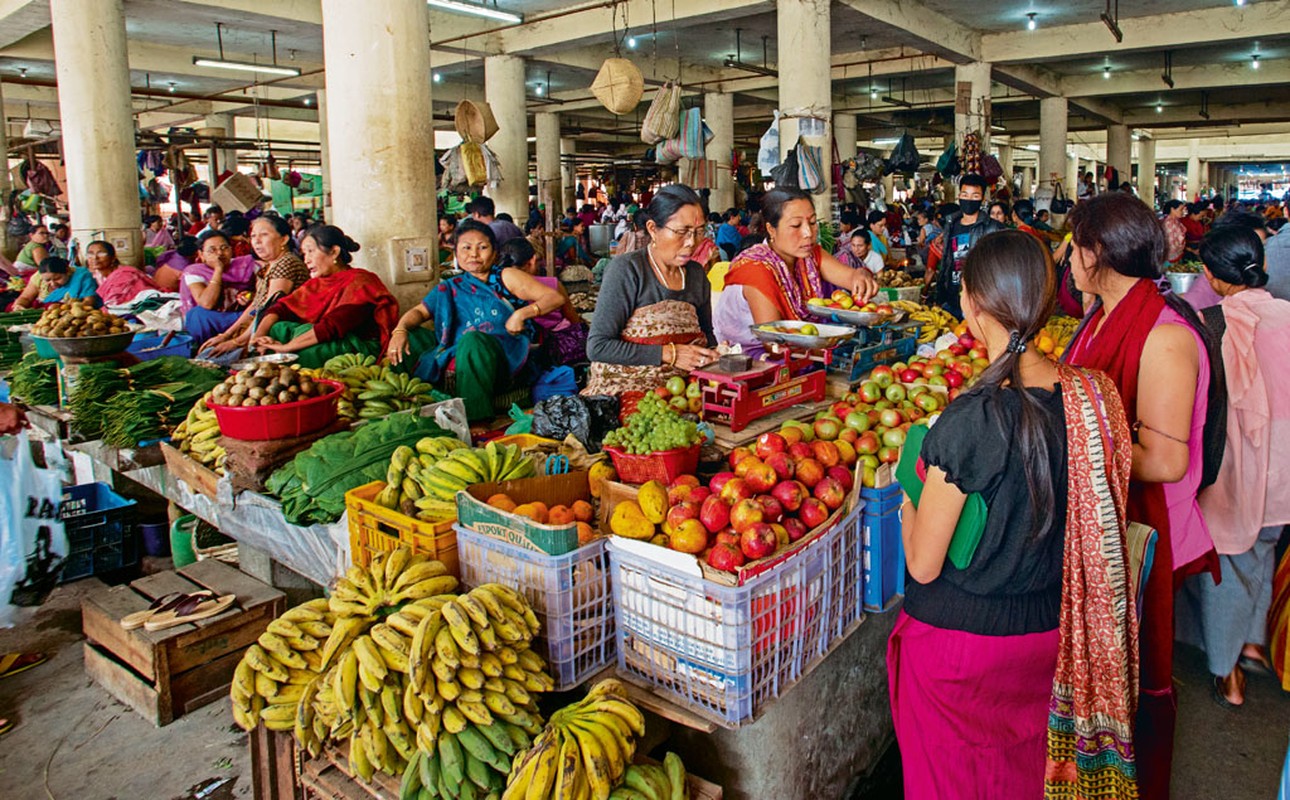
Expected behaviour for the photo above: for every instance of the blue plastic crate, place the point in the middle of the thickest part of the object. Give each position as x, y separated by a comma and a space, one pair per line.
846, 579
884, 560
860, 361
100, 529
569, 593
882, 501
181, 344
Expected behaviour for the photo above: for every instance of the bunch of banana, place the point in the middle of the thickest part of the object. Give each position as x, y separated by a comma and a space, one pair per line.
273, 676
391, 391
198, 436
652, 782
936, 321
391, 580
584, 751
472, 763
424, 483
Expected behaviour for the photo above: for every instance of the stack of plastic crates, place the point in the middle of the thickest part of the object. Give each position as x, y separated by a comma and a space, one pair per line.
884, 553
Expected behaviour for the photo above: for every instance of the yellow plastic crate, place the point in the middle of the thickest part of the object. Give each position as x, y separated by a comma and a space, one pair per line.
373, 528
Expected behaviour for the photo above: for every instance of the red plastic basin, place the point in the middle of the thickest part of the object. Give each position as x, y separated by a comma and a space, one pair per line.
282, 421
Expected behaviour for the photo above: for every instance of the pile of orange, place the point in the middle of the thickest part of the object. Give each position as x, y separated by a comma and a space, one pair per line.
580, 512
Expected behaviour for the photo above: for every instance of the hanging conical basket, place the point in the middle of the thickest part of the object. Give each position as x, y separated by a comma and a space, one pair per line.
619, 85
474, 121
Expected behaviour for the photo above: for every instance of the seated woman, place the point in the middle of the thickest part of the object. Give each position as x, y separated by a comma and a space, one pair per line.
340, 309
856, 252
36, 250
482, 323
279, 273
878, 238
562, 334
568, 245
118, 283
168, 272
654, 316
215, 289
774, 280
447, 237
156, 234
55, 282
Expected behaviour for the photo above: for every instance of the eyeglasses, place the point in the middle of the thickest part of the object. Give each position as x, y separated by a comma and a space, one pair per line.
686, 234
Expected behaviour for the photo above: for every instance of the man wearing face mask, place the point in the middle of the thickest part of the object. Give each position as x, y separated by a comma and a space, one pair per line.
961, 234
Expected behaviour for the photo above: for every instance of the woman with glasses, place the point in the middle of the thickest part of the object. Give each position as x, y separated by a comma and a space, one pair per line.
214, 290
775, 280
118, 283
653, 318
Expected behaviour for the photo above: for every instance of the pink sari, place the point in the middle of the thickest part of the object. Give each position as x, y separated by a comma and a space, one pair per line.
123, 285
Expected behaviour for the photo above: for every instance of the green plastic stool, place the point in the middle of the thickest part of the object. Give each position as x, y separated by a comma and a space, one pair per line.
181, 541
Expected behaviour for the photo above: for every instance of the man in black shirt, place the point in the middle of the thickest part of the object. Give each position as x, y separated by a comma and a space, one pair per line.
961, 233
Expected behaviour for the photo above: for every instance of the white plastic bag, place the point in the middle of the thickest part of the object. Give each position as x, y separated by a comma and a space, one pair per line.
33, 542
768, 154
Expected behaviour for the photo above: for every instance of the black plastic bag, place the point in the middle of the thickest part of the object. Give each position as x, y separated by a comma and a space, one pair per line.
785, 175
587, 418
904, 156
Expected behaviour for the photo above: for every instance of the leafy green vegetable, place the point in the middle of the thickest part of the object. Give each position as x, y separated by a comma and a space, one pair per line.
35, 381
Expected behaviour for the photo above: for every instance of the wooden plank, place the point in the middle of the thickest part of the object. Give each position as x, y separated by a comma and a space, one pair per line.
198, 477
273, 766
235, 634
101, 612
649, 701
126, 686
224, 579
727, 439
205, 684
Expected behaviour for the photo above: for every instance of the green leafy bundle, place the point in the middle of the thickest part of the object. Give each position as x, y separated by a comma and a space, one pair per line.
34, 381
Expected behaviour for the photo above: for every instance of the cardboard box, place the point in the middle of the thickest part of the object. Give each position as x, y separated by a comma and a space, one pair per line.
474, 512
239, 193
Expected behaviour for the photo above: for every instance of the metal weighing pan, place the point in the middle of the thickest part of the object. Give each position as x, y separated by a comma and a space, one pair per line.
270, 358
864, 319
780, 333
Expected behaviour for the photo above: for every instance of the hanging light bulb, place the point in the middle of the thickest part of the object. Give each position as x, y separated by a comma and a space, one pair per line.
1160, 108
1106, 73
1254, 61
172, 87
1240, 2
438, 78
631, 42
873, 92
539, 90
1030, 21
309, 101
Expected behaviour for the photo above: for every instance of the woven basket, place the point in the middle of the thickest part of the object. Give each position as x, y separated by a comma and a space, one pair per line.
474, 121
619, 85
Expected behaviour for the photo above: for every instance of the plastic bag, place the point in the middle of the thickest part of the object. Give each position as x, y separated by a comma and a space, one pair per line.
948, 164
810, 168
787, 175
904, 156
663, 119
33, 542
586, 418
768, 153
521, 421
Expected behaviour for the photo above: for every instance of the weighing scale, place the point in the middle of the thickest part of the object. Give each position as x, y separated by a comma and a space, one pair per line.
737, 392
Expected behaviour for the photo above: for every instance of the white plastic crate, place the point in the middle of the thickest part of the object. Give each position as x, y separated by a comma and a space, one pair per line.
570, 595
724, 651
846, 578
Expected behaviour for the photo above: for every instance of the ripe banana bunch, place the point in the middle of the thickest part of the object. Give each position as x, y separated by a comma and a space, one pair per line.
584, 751
277, 671
936, 321
424, 482
198, 436
392, 579
652, 782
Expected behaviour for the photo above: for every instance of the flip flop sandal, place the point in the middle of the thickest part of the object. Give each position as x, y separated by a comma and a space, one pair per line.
167, 602
6, 725
1216, 691
190, 612
13, 663
1256, 665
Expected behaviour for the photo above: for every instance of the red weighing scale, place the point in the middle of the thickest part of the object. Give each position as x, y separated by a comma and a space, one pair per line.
739, 395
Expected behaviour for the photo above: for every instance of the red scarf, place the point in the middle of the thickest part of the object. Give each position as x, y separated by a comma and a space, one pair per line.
318, 297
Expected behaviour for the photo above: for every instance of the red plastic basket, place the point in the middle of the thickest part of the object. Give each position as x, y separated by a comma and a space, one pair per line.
664, 466
282, 421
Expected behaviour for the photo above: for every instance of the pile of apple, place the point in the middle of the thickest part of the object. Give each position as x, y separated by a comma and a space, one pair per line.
773, 495
683, 397
955, 367
842, 299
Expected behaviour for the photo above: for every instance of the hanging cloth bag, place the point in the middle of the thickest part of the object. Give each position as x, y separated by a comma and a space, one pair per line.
948, 164
1061, 204
810, 168
768, 152
991, 169
663, 119
904, 156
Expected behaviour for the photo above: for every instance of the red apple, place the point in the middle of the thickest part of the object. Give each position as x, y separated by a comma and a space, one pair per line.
826, 453
891, 418
849, 434
800, 451
760, 476
726, 557
681, 512
662, 392
719, 480
684, 480
846, 451
889, 455
782, 464
791, 434
870, 392
842, 475
954, 379
829, 491
745, 514
809, 472
868, 443
813, 513
772, 509
714, 514
676, 493
910, 376
958, 349
795, 527
769, 443
735, 490
699, 494
827, 428
726, 536
965, 369
758, 541
967, 341
746, 463
840, 409
790, 494
882, 375
738, 454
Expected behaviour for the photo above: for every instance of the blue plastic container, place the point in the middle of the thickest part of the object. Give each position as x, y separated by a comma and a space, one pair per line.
101, 536
884, 560
181, 344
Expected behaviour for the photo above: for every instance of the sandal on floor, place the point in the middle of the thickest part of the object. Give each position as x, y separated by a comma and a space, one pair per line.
167, 602
1216, 691
204, 607
6, 725
1255, 665
13, 663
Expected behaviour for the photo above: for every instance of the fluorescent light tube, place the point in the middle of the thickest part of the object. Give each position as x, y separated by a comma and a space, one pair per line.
478, 10
245, 66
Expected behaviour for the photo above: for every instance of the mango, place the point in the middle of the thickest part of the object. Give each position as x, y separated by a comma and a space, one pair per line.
629, 521
600, 472
653, 501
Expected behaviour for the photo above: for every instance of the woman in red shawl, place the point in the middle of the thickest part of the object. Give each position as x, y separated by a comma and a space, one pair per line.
118, 283
340, 309
1147, 340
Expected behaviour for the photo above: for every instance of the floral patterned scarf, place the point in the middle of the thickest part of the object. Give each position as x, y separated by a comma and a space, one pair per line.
787, 287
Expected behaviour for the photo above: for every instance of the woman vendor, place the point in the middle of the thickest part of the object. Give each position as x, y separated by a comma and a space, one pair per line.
118, 283
214, 290
280, 272
55, 282
654, 316
562, 334
340, 309
36, 250
482, 323
775, 279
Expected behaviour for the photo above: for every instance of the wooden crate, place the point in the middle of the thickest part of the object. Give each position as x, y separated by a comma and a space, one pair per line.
200, 478
166, 674
275, 765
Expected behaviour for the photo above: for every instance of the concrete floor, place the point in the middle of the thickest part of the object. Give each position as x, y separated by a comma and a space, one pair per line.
73, 740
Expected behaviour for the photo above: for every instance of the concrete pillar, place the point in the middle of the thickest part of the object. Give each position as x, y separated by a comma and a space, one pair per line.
504, 88
1147, 170
377, 57
225, 158
1193, 170
976, 116
804, 83
98, 124
568, 175
1005, 161
719, 113
1052, 141
5, 185
1027, 181
1119, 150
324, 147
844, 133
547, 125
1072, 176
1097, 174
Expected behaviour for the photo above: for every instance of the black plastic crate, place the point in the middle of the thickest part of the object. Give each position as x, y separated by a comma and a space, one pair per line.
100, 527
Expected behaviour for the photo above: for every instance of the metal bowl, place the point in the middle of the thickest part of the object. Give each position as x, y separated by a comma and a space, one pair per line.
92, 346
270, 358
829, 335
863, 319
1181, 281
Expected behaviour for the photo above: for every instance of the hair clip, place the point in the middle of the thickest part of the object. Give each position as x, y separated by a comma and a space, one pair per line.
1016, 344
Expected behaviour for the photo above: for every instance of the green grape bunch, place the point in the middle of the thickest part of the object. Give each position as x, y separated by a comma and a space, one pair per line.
654, 427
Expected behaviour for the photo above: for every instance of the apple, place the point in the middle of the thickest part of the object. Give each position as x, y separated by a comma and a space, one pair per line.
783, 465
910, 375
829, 491
957, 349
791, 434
781, 535
760, 476
891, 418
686, 480
726, 557
869, 477
745, 514
738, 454
698, 494
846, 452
889, 455
894, 438
726, 536
870, 461
769, 443
967, 341
870, 392
719, 480
675, 385
813, 513
954, 379
680, 404
899, 367
965, 369
928, 402
826, 453
874, 415
745, 464
800, 451
714, 514
954, 393
790, 494
868, 443
694, 389
884, 308
795, 527
916, 390
689, 537
841, 409
734, 490
771, 508
681, 512
842, 475
827, 428
896, 393
695, 404
677, 493
882, 375
857, 421
809, 472
758, 541
938, 380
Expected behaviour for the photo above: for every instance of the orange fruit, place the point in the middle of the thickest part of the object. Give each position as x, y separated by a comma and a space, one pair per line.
582, 511
542, 508
560, 515
532, 511
502, 501
586, 533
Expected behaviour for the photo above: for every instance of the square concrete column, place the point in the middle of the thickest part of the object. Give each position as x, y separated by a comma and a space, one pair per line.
719, 113
844, 133
98, 124
1119, 150
1147, 170
1193, 170
225, 158
1072, 176
324, 148
1052, 141
547, 127
504, 87
1027, 182
805, 87
568, 175
972, 81
5, 185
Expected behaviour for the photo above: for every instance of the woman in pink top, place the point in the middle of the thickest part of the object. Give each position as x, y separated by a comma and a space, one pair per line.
118, 283
1248, 504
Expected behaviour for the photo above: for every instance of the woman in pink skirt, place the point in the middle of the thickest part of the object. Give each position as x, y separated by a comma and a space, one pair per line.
1013, 664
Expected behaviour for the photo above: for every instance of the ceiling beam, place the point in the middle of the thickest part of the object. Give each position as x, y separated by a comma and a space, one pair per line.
1041, 82
1209, 76
21, 18
932, 31
308, 12
1158, 32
